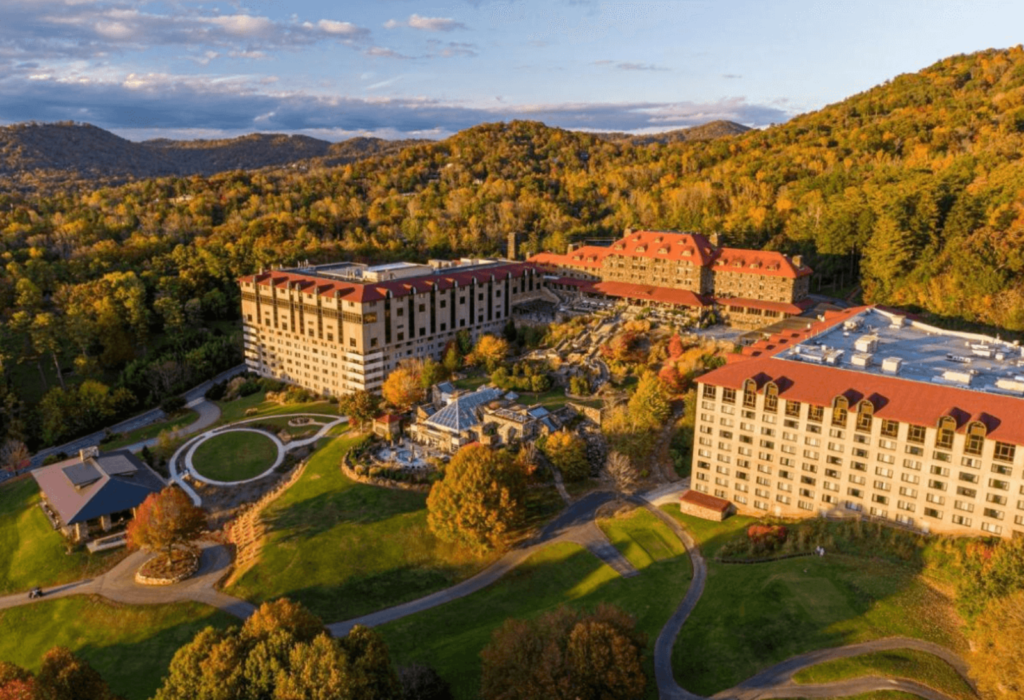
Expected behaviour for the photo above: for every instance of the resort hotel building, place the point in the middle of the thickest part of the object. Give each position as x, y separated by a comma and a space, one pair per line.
343, 327
868, 412
749, 288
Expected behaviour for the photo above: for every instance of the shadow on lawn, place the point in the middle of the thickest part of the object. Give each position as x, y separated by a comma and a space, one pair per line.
755, 615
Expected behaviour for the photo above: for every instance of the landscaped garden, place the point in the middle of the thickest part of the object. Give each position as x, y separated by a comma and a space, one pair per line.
752, 616
131, 646
234, 456
450, 637
31, 553
344, 549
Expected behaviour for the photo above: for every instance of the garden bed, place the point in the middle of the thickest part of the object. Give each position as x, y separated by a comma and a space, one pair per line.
158, 571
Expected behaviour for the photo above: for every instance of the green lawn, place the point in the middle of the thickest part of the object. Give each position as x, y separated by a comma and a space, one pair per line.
231, 411
642, 538
344, 549
31, 553
752, 616
902, 663
472, 382
450, 637
187, 417
234, 456
709, 535
131, 646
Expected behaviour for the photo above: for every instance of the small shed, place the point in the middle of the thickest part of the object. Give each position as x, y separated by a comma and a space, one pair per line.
702, 505
387, 426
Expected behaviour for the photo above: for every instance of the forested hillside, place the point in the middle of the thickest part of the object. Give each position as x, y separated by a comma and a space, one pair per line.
915, 185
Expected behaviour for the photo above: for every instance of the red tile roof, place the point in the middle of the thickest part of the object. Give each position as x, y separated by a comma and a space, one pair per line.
388, 418
780, 306
903, 400
758, 262
665, 245
666, 295
373, 291
703, 500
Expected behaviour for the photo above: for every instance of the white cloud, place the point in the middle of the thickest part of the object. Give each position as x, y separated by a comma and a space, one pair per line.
340, 28
427, 24
244, 25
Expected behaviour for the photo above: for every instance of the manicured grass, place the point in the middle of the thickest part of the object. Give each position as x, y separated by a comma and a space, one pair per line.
187, 417
231, 411
344, 549
752, 616
131, 646
472, 382
234, 456
31, 553
901, 663
450, 637
642, 538
709, 535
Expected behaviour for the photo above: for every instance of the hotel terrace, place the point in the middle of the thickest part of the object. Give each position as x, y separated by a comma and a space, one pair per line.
343, 327
750, 288
869, 413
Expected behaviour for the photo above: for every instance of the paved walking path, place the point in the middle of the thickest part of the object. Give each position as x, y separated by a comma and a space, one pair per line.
119, 585
573, 525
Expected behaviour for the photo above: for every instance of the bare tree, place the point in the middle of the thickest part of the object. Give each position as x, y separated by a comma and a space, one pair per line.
622, 470
12, 454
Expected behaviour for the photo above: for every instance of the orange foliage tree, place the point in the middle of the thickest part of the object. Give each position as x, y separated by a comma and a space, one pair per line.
165, 520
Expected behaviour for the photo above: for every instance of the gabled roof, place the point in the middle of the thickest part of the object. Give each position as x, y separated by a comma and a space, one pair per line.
665, 245
767, 263
82, 490
460, 413
703, 500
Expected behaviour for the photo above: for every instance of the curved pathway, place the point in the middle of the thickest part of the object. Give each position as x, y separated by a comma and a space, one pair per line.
119, 585
575, 524
187, 449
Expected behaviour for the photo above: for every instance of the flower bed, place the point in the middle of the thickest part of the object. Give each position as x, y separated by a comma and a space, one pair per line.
159, 572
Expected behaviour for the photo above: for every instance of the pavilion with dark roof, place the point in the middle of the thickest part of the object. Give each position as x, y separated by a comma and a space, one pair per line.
92, 493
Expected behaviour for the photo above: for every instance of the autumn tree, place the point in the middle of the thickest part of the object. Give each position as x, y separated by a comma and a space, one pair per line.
432, 373
568, 453
16, 683
649, 406
166, 520
623, 471
64, 676
490, 351
997, 663
675, 346
360, 406
566, 655
480, 500
421, 682
12, 454
452, 359
281, 652
403, 387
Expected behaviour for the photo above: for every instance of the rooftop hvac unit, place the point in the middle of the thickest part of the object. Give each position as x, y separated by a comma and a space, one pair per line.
861, 359
897, 322
1015, 385
891, 365
957, 376
852, 325
866, 343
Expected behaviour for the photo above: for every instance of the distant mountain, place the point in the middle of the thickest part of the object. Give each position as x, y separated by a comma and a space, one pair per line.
703, 132
47, 156
65, 153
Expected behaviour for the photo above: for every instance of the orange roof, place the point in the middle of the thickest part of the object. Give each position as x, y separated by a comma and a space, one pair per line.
587, 256
903, 400
666, 295
780, 306
388, 418
703, 500
373, 291
666, 245
767, 263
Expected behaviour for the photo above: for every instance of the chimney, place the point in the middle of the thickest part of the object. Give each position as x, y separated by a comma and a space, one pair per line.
88, 453
570, 248
798, 261
629, 232
715, 239
511, 254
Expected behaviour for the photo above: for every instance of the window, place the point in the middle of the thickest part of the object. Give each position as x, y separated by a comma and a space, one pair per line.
890, 428
710, 392
865, 413
916, 433
815, 413
1004, 452
728, 395
352, 342
944, 434
932, 513
975, 439
749, 394
840, 409
373, 342
793, 409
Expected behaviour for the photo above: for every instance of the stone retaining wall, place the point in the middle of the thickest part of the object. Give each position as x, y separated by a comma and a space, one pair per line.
350, 473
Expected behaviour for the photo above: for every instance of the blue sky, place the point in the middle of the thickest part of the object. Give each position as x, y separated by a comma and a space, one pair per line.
409, 68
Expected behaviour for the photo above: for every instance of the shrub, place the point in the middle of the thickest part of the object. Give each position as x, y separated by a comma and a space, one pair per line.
172, 404
216, 392
767, 537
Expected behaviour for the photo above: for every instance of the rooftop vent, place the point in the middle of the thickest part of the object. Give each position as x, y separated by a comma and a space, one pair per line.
866, 343
958, 376
861, 359
891, 365
1016, 385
